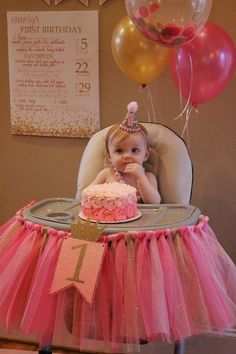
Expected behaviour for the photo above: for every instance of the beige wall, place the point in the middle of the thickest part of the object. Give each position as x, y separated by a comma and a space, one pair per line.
34, 168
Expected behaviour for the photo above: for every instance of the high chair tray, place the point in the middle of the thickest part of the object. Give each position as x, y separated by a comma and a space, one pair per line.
58, 213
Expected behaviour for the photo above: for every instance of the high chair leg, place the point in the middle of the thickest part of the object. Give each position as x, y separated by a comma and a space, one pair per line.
179, 347
45, 350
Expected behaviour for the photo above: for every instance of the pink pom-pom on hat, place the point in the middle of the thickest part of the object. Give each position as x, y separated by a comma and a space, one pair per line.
130, 123
132, 107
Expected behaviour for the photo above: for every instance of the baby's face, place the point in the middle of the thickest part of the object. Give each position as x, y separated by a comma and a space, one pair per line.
132, 149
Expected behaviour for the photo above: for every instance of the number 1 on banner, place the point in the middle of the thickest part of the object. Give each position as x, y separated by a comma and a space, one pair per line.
83, 269
76, 275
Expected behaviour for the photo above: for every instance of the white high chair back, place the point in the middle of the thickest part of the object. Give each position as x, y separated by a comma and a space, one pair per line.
169, 161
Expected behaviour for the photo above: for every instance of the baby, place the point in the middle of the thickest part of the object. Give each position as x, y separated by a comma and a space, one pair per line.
127, 149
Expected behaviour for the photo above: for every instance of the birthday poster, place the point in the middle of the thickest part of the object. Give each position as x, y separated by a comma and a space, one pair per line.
53, 73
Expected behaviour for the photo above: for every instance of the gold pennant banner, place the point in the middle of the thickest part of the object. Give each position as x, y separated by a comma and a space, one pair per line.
83, 268
85, 2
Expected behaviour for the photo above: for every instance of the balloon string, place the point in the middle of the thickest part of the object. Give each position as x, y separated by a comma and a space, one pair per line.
190, 90
185, 129
180, 89
151, 105
151, 112
149, 115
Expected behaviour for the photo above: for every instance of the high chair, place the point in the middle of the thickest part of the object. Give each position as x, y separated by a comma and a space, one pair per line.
169, 161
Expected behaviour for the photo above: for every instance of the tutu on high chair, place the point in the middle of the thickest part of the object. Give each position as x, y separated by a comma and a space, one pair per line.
165, 284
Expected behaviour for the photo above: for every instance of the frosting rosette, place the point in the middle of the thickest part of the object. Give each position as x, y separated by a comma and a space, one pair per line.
120, 214
109, 203
87, 203
132, 211
97, 203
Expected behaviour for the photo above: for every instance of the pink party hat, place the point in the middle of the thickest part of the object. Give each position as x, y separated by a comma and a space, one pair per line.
130, 123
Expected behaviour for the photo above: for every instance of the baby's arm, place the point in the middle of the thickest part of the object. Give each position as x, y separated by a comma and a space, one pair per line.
101, 177
146, 183
148, 190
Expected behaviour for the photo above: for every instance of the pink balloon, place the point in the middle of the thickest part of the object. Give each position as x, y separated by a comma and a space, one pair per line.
170, 23
205, 65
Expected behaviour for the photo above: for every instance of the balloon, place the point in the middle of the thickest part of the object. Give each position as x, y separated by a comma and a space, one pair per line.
139, 58
205, 65
170, 23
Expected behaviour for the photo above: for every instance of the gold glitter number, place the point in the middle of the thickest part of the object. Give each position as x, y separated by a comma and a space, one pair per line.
76, 275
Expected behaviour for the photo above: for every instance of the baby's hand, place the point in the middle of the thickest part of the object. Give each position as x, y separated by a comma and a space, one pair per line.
136, 170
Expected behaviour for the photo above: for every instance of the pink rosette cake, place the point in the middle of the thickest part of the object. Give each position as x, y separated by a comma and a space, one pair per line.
109, 202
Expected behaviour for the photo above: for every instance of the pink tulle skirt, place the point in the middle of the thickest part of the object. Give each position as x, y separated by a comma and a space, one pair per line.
165, 284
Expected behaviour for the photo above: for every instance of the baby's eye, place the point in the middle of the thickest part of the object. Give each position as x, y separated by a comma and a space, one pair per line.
119, 151
135, 150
